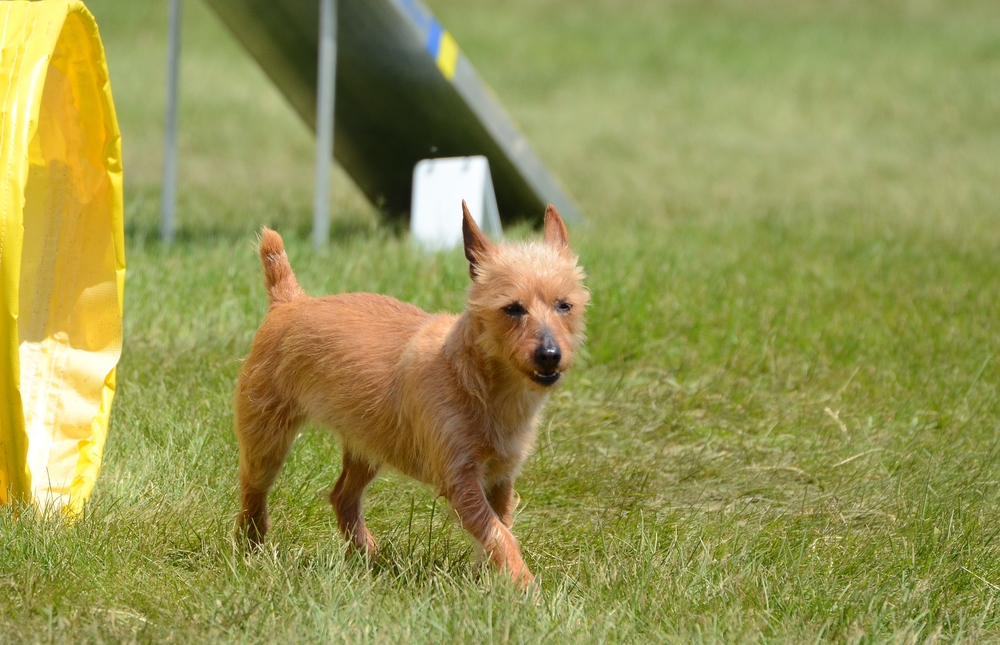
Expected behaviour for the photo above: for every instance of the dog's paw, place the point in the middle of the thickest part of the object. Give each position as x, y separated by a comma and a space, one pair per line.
531, 590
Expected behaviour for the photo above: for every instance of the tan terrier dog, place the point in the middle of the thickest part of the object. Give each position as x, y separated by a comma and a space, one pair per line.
452, 401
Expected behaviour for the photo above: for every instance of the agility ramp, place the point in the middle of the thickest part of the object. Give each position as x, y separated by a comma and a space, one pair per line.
404, 92
62, 253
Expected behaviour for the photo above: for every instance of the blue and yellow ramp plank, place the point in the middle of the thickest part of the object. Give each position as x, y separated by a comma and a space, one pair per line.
404, 92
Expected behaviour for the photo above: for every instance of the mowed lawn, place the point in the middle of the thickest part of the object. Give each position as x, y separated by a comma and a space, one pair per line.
786, 423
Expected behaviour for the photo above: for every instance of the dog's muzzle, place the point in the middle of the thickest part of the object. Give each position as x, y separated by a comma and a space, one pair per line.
547, 358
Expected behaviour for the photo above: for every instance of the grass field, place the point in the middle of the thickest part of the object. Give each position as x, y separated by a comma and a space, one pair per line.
784, 427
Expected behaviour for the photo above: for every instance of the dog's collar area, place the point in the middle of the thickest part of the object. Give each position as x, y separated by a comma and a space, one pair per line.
545, 379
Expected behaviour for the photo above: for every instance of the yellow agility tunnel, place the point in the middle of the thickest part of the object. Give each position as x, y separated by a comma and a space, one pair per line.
62, 255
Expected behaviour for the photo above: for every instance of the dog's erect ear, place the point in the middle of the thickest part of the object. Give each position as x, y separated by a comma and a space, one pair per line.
477, 245
555, 229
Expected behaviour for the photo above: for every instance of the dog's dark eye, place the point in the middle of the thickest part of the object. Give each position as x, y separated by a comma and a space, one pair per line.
515, 310
563, 307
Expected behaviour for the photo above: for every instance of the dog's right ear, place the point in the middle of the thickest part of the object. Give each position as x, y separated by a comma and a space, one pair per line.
477, 245
555, 229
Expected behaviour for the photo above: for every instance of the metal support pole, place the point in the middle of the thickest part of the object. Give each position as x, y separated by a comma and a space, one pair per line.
326, 84
168, 194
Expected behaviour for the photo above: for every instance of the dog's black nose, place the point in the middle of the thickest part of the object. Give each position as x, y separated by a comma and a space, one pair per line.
547, 355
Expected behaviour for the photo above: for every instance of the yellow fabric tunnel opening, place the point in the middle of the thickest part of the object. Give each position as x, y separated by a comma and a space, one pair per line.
62, 256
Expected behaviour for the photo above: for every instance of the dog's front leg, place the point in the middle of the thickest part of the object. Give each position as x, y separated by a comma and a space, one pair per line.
467, 498
500, 495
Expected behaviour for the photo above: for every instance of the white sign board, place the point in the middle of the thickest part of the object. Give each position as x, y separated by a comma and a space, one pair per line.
439, 186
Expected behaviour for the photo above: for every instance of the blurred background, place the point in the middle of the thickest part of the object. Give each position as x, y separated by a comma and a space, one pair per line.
648, 110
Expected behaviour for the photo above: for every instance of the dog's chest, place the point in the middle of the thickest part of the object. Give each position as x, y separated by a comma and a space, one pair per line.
509, 440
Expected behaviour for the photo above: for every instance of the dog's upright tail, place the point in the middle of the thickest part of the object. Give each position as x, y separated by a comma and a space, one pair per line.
278, 275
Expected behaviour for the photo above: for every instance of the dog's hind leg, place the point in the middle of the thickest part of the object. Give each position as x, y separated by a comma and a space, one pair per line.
265, 439
346, 500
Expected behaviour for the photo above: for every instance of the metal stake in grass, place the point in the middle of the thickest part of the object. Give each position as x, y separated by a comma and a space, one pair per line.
324, 120
168, 191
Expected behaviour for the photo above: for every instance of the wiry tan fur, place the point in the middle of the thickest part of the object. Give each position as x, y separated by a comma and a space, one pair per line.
452, 401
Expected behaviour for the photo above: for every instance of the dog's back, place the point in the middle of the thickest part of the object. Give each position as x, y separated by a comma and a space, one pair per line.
355, 339
354, 333
306, 343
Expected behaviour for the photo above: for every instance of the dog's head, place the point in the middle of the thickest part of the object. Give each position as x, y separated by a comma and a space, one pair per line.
527, 299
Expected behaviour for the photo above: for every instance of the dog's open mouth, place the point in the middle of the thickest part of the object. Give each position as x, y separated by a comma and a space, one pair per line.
545, 379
